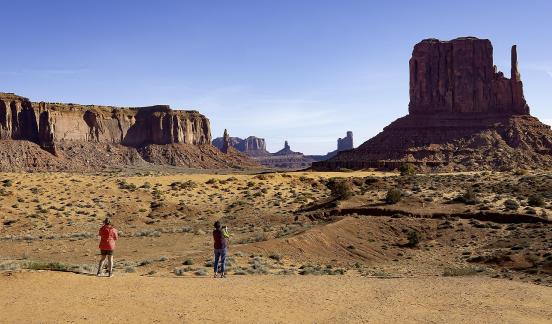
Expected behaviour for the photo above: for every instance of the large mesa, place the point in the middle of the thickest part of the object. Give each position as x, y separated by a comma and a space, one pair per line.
90, 137
459, 76
463, 115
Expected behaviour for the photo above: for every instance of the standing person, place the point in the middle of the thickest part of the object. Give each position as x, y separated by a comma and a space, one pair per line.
108, 236
221, 246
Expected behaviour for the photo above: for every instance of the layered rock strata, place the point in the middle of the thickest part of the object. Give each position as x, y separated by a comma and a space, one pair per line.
48, 123
463, 115
103, 136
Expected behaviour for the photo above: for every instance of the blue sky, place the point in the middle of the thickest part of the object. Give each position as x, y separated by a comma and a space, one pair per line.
305, 71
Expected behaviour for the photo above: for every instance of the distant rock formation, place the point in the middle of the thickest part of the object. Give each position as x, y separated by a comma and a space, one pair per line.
463, 115
286, 159
346, 143
256, 148
458, 76
252, 146
226, 143
287, 150
343, 144
62, 129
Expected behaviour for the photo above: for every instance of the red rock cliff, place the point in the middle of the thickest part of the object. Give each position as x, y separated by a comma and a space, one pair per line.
459, 76
48, 123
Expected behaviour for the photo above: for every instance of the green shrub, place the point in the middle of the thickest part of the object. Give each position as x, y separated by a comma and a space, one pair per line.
52, 266
413, 238
340, 189
393, 196
407, 169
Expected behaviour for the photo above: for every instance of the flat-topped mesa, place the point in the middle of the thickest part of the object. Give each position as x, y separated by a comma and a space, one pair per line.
459, 76
49, 123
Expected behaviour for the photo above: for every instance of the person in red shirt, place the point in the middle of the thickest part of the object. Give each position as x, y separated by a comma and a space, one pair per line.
108, 236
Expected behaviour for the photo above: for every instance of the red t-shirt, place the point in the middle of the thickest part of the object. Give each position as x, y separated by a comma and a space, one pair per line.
108, 236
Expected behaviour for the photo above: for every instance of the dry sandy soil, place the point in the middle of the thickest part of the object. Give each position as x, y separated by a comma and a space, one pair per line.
53, 297
322, 246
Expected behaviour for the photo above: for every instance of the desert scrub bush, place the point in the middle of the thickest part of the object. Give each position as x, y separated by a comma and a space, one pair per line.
240, 272
211, 181
461, 271
275, 257
393, 196
286, 272
340, 189
201, 272
257, 266
4, 192
123, 185
186, 185
7, 183
10, 266
144, 262
155, 204
320, 270
182, 270
51, 266
188, 262
261, 177
536, 201
511, 204
407, 169
413, 238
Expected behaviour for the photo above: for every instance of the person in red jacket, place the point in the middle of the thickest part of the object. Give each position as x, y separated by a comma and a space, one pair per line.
108, 236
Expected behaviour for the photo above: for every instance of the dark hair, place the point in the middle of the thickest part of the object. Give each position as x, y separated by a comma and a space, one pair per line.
107, 221
217, 225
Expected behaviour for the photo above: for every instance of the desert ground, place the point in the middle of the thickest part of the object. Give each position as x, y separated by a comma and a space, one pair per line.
49, 297
322, 246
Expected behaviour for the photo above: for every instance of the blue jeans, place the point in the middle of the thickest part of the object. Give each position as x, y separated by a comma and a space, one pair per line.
220, 256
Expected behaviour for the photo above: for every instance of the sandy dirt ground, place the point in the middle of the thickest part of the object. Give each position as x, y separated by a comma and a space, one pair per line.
55, 297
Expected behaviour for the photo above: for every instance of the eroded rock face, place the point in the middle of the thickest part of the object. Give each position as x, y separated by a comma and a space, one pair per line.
252, 146
49, 123
346, 143
459, 76
463, 115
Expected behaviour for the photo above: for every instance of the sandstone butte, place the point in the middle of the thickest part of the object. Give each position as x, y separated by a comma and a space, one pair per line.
94, 137
463, 115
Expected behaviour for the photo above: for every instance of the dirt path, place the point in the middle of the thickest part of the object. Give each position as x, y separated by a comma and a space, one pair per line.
47, 297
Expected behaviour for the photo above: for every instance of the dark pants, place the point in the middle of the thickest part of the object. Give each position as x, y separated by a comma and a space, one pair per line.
220, 256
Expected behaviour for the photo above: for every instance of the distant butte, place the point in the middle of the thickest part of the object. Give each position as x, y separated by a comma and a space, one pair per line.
463, 115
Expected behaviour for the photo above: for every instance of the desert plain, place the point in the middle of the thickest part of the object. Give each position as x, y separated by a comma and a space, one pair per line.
349, 246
